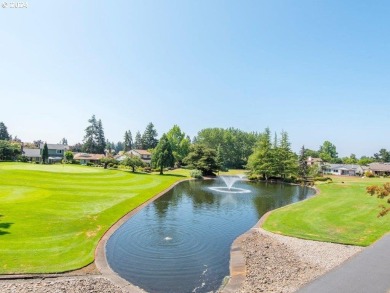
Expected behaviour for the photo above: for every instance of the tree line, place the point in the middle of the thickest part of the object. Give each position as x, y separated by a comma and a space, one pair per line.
211, 150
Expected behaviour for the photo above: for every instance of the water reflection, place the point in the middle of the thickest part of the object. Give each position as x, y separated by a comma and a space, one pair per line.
181, 242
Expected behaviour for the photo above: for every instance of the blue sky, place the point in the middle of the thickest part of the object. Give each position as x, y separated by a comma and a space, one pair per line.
319, 70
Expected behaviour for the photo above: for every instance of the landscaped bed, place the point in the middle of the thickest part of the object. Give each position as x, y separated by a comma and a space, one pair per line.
52, 216
342, 213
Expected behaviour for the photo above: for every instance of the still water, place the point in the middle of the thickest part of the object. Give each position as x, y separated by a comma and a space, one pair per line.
181, 242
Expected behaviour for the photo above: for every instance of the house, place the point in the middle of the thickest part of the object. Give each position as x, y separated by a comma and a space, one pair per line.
314, 161
380, 169
145, 156
33, 155
56, 152
85, 158
343, 169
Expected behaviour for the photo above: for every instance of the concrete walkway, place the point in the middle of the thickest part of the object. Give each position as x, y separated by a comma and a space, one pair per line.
367, 272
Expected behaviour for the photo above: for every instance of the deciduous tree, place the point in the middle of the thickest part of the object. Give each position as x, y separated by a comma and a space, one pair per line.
162, 155
180, 143
133, 162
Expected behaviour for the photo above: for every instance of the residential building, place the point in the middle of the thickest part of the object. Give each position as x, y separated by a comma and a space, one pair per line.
85, 158
343, 169
56, 152
33, 155
314, 161
144, 155
380, 169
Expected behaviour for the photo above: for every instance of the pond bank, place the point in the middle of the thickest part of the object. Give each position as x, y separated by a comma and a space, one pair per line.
277, 263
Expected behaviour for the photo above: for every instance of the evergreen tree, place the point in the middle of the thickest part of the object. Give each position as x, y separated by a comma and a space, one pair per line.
162, 155
149, 137
202, 158
64, 141
4, 132
90, 138
45, 153
303, 168
128, 141
286, 159
109, 146
118, 147
100, 139
261, 162
138, 141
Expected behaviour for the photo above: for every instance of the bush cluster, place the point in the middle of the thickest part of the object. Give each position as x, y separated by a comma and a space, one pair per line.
381, 192
196, 174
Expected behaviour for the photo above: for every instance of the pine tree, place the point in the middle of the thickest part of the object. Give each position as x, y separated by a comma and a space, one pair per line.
138, 141
303, 168
128, 141
90, 138
287, 163
4, 132
149, 137
261, 162
100, 139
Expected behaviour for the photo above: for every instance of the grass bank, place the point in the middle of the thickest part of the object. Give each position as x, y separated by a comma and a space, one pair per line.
52, 216
341, 213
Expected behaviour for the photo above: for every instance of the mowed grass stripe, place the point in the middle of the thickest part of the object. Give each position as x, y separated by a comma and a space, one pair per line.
343, 213
52, 217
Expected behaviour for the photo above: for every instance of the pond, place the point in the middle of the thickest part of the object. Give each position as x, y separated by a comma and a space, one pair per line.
181, 241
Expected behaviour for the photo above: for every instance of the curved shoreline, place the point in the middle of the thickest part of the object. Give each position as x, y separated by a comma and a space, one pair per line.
100, 252
247, 257
250, 259
238, 269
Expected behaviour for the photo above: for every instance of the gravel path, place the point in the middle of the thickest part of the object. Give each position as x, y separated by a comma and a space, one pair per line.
277, 263
92, 284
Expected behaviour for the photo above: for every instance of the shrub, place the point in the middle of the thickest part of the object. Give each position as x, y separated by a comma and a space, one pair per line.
369, 174
147, 169
89, 164
196, 174
23, 159
323, 179
371, 190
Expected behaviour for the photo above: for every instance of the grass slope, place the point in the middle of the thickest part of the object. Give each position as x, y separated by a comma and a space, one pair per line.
343, 213
52, 216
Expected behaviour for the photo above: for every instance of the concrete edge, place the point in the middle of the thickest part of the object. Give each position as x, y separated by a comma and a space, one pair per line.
100, 252
237, 258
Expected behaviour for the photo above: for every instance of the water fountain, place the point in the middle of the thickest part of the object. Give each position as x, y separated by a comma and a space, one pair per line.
230, 181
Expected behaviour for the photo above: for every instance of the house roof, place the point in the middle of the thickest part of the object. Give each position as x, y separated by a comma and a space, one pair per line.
343, 166
55, 146
32, 153
85, 156
380, 167
142, 152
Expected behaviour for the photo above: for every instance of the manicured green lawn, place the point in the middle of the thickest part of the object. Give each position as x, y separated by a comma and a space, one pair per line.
52, 216
342, 213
